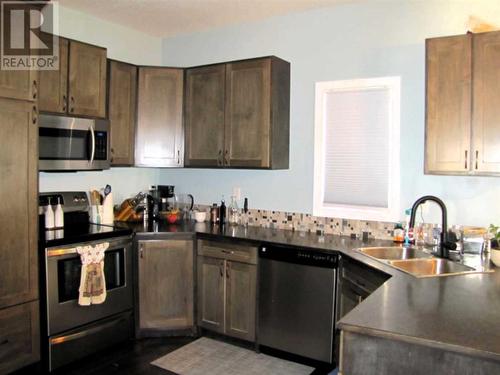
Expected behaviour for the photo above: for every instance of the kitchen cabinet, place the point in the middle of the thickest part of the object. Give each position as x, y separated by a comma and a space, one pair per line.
204, 115
244, 105
122, 111
54, 83
19, 336
165, 286
462, 131
159, 132
18, 197
227, 282
18, 84
19, 316
78, 88
356, 282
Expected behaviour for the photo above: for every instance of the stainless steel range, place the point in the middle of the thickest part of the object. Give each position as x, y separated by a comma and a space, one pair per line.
71, 331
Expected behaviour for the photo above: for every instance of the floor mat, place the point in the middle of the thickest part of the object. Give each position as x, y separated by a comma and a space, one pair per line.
211, 357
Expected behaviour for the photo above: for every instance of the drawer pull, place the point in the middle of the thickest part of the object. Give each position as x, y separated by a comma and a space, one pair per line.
4, 342
228, 251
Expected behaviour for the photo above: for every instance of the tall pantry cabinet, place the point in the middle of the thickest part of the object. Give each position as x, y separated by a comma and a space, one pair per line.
19, 314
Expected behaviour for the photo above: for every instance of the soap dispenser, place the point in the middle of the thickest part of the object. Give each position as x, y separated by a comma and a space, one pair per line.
59, 215
49, 216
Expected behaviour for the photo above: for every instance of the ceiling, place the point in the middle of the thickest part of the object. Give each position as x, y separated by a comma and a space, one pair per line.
163, 18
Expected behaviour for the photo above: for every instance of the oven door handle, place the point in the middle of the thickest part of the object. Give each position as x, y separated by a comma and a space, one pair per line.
92, 134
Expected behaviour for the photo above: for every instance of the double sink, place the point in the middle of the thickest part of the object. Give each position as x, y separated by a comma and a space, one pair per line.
416, 262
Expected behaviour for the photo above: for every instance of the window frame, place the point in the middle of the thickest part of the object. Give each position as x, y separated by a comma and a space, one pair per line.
391, 213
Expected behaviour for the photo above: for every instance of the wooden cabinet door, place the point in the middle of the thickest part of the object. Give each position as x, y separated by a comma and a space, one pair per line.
448, 105
211, 273
240, 300
19, 84
166, 285
54, 83
19, 336
18, 202
486, 108
204, 115
248, 114
122, 110
159, 135
87, 80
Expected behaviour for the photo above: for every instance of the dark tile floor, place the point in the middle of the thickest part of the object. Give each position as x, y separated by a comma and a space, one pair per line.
130, 358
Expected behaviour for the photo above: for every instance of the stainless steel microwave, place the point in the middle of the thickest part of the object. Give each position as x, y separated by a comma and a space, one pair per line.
73, 144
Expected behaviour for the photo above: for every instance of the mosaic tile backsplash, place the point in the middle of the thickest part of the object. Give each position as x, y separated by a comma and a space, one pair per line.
316, 224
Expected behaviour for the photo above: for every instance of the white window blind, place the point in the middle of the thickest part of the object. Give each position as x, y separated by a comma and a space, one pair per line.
357, 149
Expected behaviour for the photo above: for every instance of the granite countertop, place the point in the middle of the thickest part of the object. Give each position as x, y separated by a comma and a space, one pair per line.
459, 313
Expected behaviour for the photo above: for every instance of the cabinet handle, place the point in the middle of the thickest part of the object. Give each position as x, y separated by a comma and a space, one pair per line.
65, 103
466, 152
221, 269
228, 272
35, 91
33, 115
178, 156
141, 252
4, 342
360, 299
112, 150
219, 158
226, 157
477, 157
72, 102
228, 251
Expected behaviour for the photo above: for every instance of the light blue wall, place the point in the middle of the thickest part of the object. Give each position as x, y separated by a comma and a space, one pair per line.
367, 39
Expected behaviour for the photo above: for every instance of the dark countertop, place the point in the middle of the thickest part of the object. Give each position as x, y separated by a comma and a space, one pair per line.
459, 313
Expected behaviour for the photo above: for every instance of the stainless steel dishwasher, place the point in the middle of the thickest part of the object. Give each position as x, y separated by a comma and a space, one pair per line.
297, 301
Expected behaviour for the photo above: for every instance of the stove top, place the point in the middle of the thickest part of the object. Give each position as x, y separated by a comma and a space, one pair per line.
77, 228
78, 233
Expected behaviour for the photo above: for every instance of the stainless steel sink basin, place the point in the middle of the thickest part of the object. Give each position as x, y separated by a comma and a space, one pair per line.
394, 253
431, 267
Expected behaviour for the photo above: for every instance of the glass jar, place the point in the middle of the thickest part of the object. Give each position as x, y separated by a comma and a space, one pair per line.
233, 212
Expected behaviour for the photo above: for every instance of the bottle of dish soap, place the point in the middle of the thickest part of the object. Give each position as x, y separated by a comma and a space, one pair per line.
59, 215
49, 216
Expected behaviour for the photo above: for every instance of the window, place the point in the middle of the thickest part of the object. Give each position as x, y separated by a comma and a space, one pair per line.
356, 153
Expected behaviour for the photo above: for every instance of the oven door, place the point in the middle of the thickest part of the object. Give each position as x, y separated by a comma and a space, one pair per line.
63, 271
71, 143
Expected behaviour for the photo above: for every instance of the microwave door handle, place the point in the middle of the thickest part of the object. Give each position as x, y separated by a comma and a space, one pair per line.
92, 154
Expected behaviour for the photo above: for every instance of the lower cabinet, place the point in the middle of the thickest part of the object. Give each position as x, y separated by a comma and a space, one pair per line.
227, 284
19, 336
165, 287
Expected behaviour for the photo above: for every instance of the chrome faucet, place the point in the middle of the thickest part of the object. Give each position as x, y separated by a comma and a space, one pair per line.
444, 246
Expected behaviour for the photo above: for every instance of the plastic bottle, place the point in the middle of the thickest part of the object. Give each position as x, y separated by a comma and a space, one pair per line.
399, 233
59, 215
49, 216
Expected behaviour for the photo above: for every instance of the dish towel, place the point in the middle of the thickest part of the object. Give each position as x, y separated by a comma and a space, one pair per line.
92, 283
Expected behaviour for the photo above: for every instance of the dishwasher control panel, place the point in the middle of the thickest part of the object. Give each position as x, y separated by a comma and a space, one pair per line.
299, 256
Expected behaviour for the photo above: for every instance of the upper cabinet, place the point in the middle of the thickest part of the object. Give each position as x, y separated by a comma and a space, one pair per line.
237, 114
19, 84
54, 83
204, 115
159, 132
78, 88
87, 80
462, 115
122, 111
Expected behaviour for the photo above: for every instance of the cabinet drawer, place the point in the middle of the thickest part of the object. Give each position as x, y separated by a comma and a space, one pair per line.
362, 276
19, 337
230, 251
